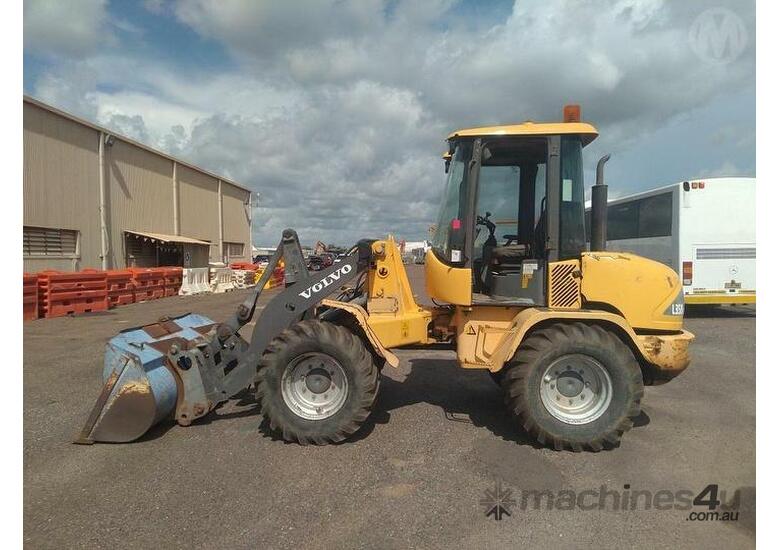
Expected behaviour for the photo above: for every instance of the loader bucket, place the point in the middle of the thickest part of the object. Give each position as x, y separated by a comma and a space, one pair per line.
139, 388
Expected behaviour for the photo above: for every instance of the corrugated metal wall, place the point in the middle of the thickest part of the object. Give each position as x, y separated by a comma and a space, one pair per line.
140, 194
198, 204
60, 184
62, 190
235, 220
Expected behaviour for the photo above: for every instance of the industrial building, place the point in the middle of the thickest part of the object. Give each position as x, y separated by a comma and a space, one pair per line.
96, 199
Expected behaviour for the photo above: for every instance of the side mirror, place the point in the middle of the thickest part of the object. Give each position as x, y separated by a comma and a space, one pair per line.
447, 159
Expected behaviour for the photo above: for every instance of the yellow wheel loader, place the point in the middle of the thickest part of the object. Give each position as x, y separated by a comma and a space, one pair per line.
571, 334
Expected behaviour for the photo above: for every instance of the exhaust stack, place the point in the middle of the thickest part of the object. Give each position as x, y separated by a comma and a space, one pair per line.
598, 209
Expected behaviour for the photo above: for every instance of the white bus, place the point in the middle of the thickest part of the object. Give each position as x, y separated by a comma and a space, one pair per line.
703, 229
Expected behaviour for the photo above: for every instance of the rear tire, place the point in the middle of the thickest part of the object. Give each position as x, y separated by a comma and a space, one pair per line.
574, 386
316, 383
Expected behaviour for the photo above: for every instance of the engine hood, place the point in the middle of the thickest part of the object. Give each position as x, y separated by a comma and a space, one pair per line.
647, 293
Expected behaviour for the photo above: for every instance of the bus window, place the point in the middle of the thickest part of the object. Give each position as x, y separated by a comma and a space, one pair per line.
638, 219
622, 221
655, 216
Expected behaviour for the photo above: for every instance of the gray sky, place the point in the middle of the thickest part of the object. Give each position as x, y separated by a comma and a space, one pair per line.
336, 110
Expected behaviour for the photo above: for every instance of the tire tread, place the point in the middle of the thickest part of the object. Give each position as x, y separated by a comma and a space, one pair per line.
366, 375
520, 368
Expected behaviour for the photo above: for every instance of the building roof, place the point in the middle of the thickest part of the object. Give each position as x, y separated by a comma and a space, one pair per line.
47, 107
586, 131
168, 238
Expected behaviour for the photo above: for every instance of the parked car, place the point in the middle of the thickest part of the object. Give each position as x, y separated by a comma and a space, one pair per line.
261, 259
320, 261
418, 255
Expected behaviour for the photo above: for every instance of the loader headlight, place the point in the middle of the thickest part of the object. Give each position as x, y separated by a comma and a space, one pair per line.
677, 307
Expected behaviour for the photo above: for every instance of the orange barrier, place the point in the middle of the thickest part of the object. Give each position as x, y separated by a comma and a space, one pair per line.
54, 293
148, 283
120, 287
173, 277
30, 297
278, 276
70, 293
243, 266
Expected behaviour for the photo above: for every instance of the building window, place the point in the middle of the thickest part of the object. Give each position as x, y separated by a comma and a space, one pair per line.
234, 250
48, 242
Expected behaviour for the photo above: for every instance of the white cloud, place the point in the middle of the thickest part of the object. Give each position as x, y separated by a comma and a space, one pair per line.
156, 7
263, 29
73, 28
725, 169
131, 126
338, 109
158, 115
72, 90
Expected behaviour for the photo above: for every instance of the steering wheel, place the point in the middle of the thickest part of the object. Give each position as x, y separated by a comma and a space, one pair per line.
485, 220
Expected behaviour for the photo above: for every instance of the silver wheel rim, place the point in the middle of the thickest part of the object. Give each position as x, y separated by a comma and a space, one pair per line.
314, 386
576, 389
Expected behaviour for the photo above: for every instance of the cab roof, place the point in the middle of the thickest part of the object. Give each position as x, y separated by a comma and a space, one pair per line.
586, 131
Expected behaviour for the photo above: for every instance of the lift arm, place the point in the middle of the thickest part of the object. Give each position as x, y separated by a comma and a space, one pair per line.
190, 364
302, 292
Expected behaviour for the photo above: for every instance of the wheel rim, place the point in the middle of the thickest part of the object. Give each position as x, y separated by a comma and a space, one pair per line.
576, 389
314, 386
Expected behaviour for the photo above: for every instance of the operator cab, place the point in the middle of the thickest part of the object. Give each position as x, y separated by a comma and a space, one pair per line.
514, 201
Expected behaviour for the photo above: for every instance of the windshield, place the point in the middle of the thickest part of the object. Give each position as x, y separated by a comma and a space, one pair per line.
453, 201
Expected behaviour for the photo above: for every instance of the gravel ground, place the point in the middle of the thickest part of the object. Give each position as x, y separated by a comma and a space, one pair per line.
412, 477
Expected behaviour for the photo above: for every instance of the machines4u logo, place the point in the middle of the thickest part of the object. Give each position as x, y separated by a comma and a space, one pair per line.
498, 502
707, 504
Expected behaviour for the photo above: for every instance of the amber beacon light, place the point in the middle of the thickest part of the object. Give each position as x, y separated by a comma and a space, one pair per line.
571, 113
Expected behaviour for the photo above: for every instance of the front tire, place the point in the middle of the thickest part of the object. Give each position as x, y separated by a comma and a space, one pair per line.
497, 377
574, 386
316, 383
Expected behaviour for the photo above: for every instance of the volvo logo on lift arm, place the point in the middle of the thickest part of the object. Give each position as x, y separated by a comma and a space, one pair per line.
316, 288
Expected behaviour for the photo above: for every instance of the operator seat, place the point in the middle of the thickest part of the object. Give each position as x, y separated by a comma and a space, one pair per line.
511, 254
